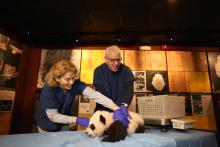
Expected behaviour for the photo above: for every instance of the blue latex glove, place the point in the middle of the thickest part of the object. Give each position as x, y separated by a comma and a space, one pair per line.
119, 115
124, 109
82, 121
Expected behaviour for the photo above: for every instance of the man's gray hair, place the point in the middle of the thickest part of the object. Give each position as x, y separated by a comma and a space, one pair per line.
113, 49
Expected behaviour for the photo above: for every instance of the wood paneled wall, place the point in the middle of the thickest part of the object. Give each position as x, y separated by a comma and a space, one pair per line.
90, 60
183, 69
188, 71
145, 60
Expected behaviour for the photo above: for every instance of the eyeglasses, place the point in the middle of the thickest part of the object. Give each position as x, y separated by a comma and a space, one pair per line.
114, 60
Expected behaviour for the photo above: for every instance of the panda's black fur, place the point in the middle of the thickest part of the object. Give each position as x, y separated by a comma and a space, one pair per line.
102, 123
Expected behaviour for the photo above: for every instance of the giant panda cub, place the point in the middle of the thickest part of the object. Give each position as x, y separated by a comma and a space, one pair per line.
102, 123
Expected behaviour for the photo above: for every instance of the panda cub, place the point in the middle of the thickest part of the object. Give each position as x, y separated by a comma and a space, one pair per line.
102, 123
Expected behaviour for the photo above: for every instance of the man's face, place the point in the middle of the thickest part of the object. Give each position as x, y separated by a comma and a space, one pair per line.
113, 61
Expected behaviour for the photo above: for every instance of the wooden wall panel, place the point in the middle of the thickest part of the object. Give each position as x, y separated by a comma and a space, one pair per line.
199, 82
186, 61
174, 61
129, 59
75, 58
158, 60
5, 119
145, 60
203, 122
90, 60
200, 62
136, 60
189, 82
178, 81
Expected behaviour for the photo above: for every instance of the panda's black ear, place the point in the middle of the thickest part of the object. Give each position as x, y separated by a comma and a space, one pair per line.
102, 119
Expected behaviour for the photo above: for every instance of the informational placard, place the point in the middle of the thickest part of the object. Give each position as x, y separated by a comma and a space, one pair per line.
7, 100
202, 104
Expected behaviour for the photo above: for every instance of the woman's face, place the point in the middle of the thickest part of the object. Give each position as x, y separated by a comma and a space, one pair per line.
66, 81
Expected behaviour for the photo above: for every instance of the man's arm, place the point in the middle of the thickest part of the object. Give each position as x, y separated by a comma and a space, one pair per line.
128, 87
128, 93
98, 82
100, 88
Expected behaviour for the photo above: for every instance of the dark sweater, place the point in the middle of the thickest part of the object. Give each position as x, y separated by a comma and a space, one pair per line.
117, 86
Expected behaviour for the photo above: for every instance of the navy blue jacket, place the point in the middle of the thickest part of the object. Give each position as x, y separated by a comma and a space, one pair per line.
55, 98
117, 86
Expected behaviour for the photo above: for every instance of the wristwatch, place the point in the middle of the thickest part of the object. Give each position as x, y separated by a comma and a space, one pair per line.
124, 104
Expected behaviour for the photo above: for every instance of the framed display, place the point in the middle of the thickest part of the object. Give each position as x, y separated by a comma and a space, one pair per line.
197, 104
157, 81
6, 105
140, 81
6, 100
84, 105
202, 104
84, 100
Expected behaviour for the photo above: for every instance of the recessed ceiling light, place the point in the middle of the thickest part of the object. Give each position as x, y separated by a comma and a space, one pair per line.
144, 47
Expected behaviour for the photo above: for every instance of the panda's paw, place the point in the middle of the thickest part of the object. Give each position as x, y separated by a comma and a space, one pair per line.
111, 139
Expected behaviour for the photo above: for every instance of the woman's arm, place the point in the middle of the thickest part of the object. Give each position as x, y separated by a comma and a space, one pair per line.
56, 117
99, 98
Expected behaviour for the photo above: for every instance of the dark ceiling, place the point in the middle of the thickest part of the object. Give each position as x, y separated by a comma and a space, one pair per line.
94, 22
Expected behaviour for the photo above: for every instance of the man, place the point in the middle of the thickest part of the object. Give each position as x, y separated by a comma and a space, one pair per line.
114, 79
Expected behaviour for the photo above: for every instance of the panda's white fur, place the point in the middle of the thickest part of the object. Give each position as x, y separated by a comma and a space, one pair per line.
101, 121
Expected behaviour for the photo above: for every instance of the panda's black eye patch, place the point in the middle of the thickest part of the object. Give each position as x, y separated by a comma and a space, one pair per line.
92, 127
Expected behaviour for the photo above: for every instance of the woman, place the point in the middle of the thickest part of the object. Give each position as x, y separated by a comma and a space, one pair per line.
57, 97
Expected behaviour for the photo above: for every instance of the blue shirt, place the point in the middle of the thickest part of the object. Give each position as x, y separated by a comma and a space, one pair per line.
56, 98
117, 86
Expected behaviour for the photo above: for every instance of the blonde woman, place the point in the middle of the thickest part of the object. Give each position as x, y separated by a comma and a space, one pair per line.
57, 97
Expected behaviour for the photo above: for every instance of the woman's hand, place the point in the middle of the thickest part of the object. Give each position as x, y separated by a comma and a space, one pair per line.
82, 121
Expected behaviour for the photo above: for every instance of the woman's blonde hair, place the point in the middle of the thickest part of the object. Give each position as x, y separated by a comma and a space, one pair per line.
58, 70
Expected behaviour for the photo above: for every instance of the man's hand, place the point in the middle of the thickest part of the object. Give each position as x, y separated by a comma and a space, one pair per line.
119, 115
124, 109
